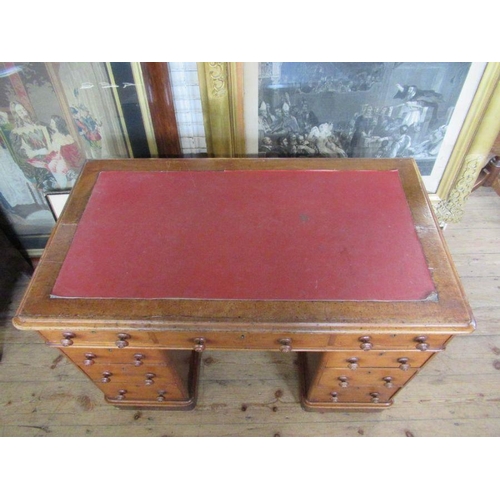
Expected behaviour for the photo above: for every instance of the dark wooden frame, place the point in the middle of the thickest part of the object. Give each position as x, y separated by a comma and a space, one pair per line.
161, 106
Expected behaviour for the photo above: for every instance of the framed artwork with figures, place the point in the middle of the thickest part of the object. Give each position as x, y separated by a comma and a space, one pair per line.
364, 110
53, 117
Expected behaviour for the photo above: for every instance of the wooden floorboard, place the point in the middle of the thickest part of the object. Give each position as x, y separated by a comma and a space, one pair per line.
257, 393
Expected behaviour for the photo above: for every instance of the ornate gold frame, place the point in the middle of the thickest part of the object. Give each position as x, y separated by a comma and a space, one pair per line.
472, 148
222, 92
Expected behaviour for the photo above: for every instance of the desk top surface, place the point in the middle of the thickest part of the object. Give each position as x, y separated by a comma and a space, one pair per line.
246, 235
271, 242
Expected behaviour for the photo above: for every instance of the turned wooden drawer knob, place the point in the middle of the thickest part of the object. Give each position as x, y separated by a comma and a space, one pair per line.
375, 397
388, 382
404, 364
161, 396
121, 394
352, 363
67, 339
421, 343
106, 377
285, 345
335, 397
199, 344
343, 382
89, 359
138, 359
122, 340
366, 345
149, 378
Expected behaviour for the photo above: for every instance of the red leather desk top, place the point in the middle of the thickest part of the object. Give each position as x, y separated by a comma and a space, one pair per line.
262, 235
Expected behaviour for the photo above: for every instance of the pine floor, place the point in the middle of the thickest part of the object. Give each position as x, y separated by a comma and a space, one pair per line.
257, 394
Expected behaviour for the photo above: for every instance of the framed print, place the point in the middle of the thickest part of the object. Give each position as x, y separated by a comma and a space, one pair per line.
432, 112
53, 117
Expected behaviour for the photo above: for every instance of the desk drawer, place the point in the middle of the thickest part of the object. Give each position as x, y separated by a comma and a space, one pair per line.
133, 339
124, 392
366, 394
140, 375
376, 377
385, 341
371, 359
100, 356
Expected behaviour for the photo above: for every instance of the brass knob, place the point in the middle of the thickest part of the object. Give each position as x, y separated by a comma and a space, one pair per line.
404, 364
335, 397
375, 397
149, 378
121, 394
199, 344
343, 382
388, 382
89, 359
285, 345
366, 345
161, 396
421, 343
352, 363
138, 359
66, 341
122, 340
106, 377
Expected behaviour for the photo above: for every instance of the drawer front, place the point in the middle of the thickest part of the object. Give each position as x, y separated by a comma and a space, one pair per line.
125, 392
371, 359
376, 377
385, 341
130, 340
243, 340
139, 375
365, 394
137, 357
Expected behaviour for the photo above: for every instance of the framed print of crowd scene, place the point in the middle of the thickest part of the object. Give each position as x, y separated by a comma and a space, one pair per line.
365, 110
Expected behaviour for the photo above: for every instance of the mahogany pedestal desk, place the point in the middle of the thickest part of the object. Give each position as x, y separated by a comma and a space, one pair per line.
155, 261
